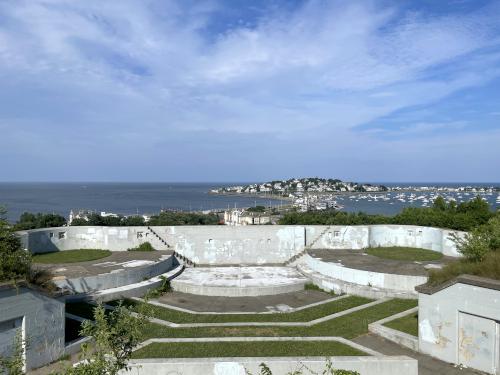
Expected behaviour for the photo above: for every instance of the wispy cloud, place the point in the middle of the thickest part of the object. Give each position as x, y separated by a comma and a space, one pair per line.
107, 77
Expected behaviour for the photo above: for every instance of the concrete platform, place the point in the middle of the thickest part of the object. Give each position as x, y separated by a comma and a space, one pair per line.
358, 259
118, 270
239, 281
258, 304
118, 260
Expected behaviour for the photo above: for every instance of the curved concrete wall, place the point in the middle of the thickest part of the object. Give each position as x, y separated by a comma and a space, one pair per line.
400, 283
118, 278
263, 244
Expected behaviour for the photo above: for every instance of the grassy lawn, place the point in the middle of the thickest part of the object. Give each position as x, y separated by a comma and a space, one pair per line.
407, 324
348, 326
404, 253
246, 349
70, 256
305, 315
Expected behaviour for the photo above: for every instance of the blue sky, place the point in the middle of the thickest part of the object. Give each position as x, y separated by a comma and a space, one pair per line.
134, 90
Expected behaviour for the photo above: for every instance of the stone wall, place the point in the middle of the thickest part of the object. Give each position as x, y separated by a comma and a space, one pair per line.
42, 324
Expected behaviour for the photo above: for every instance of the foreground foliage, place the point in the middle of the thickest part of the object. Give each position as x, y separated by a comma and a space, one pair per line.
115, 334
15, 262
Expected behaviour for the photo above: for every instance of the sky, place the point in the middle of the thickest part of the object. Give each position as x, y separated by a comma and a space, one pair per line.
143, 90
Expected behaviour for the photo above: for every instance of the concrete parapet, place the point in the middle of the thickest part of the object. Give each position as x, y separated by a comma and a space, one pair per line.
394, 365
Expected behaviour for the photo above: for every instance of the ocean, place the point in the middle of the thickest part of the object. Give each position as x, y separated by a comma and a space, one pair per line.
150, 198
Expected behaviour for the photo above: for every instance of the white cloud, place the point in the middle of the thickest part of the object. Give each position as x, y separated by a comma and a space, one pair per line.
151, 70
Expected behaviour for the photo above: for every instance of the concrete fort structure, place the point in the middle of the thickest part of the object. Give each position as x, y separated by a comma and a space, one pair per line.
216, 245
36, 320
246, 248
459, 322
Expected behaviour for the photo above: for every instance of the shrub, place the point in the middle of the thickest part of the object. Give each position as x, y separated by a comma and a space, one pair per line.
489, 267
145, 246
15, 262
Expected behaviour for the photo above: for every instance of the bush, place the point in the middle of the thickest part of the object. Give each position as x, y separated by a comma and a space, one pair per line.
489, 267
145, 246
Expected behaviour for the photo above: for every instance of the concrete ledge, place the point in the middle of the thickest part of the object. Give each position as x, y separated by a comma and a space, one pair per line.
338, 286
400, 338
394, 365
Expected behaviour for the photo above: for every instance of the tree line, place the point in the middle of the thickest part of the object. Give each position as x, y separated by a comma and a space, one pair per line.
464, 216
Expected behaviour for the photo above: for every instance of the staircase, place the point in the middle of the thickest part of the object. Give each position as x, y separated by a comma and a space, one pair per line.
296, 257
185, 260
158, 237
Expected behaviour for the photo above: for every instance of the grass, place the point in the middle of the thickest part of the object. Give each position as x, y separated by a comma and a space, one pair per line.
489, 268
404, 253
305, 315
70, 256
348, 326
246, 349
407, 324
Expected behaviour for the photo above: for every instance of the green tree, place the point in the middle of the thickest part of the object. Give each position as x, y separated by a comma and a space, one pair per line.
115, 335
29, 220
15, 262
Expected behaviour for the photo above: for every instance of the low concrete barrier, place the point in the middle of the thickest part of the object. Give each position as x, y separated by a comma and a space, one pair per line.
389, 281
118, 278
400, 338
394, 365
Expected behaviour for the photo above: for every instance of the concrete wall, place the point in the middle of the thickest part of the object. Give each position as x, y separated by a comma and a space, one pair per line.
42, 324
460, 324
279, 366
271, 244
405, 283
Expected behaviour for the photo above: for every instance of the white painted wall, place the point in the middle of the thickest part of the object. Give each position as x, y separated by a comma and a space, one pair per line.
443, 336
221, 244
43, 324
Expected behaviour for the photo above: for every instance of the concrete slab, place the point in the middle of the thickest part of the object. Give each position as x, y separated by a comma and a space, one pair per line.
243, 304
239, 281
358, 259
117, 261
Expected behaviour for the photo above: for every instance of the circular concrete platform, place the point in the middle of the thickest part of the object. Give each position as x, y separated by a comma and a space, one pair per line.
239, 281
